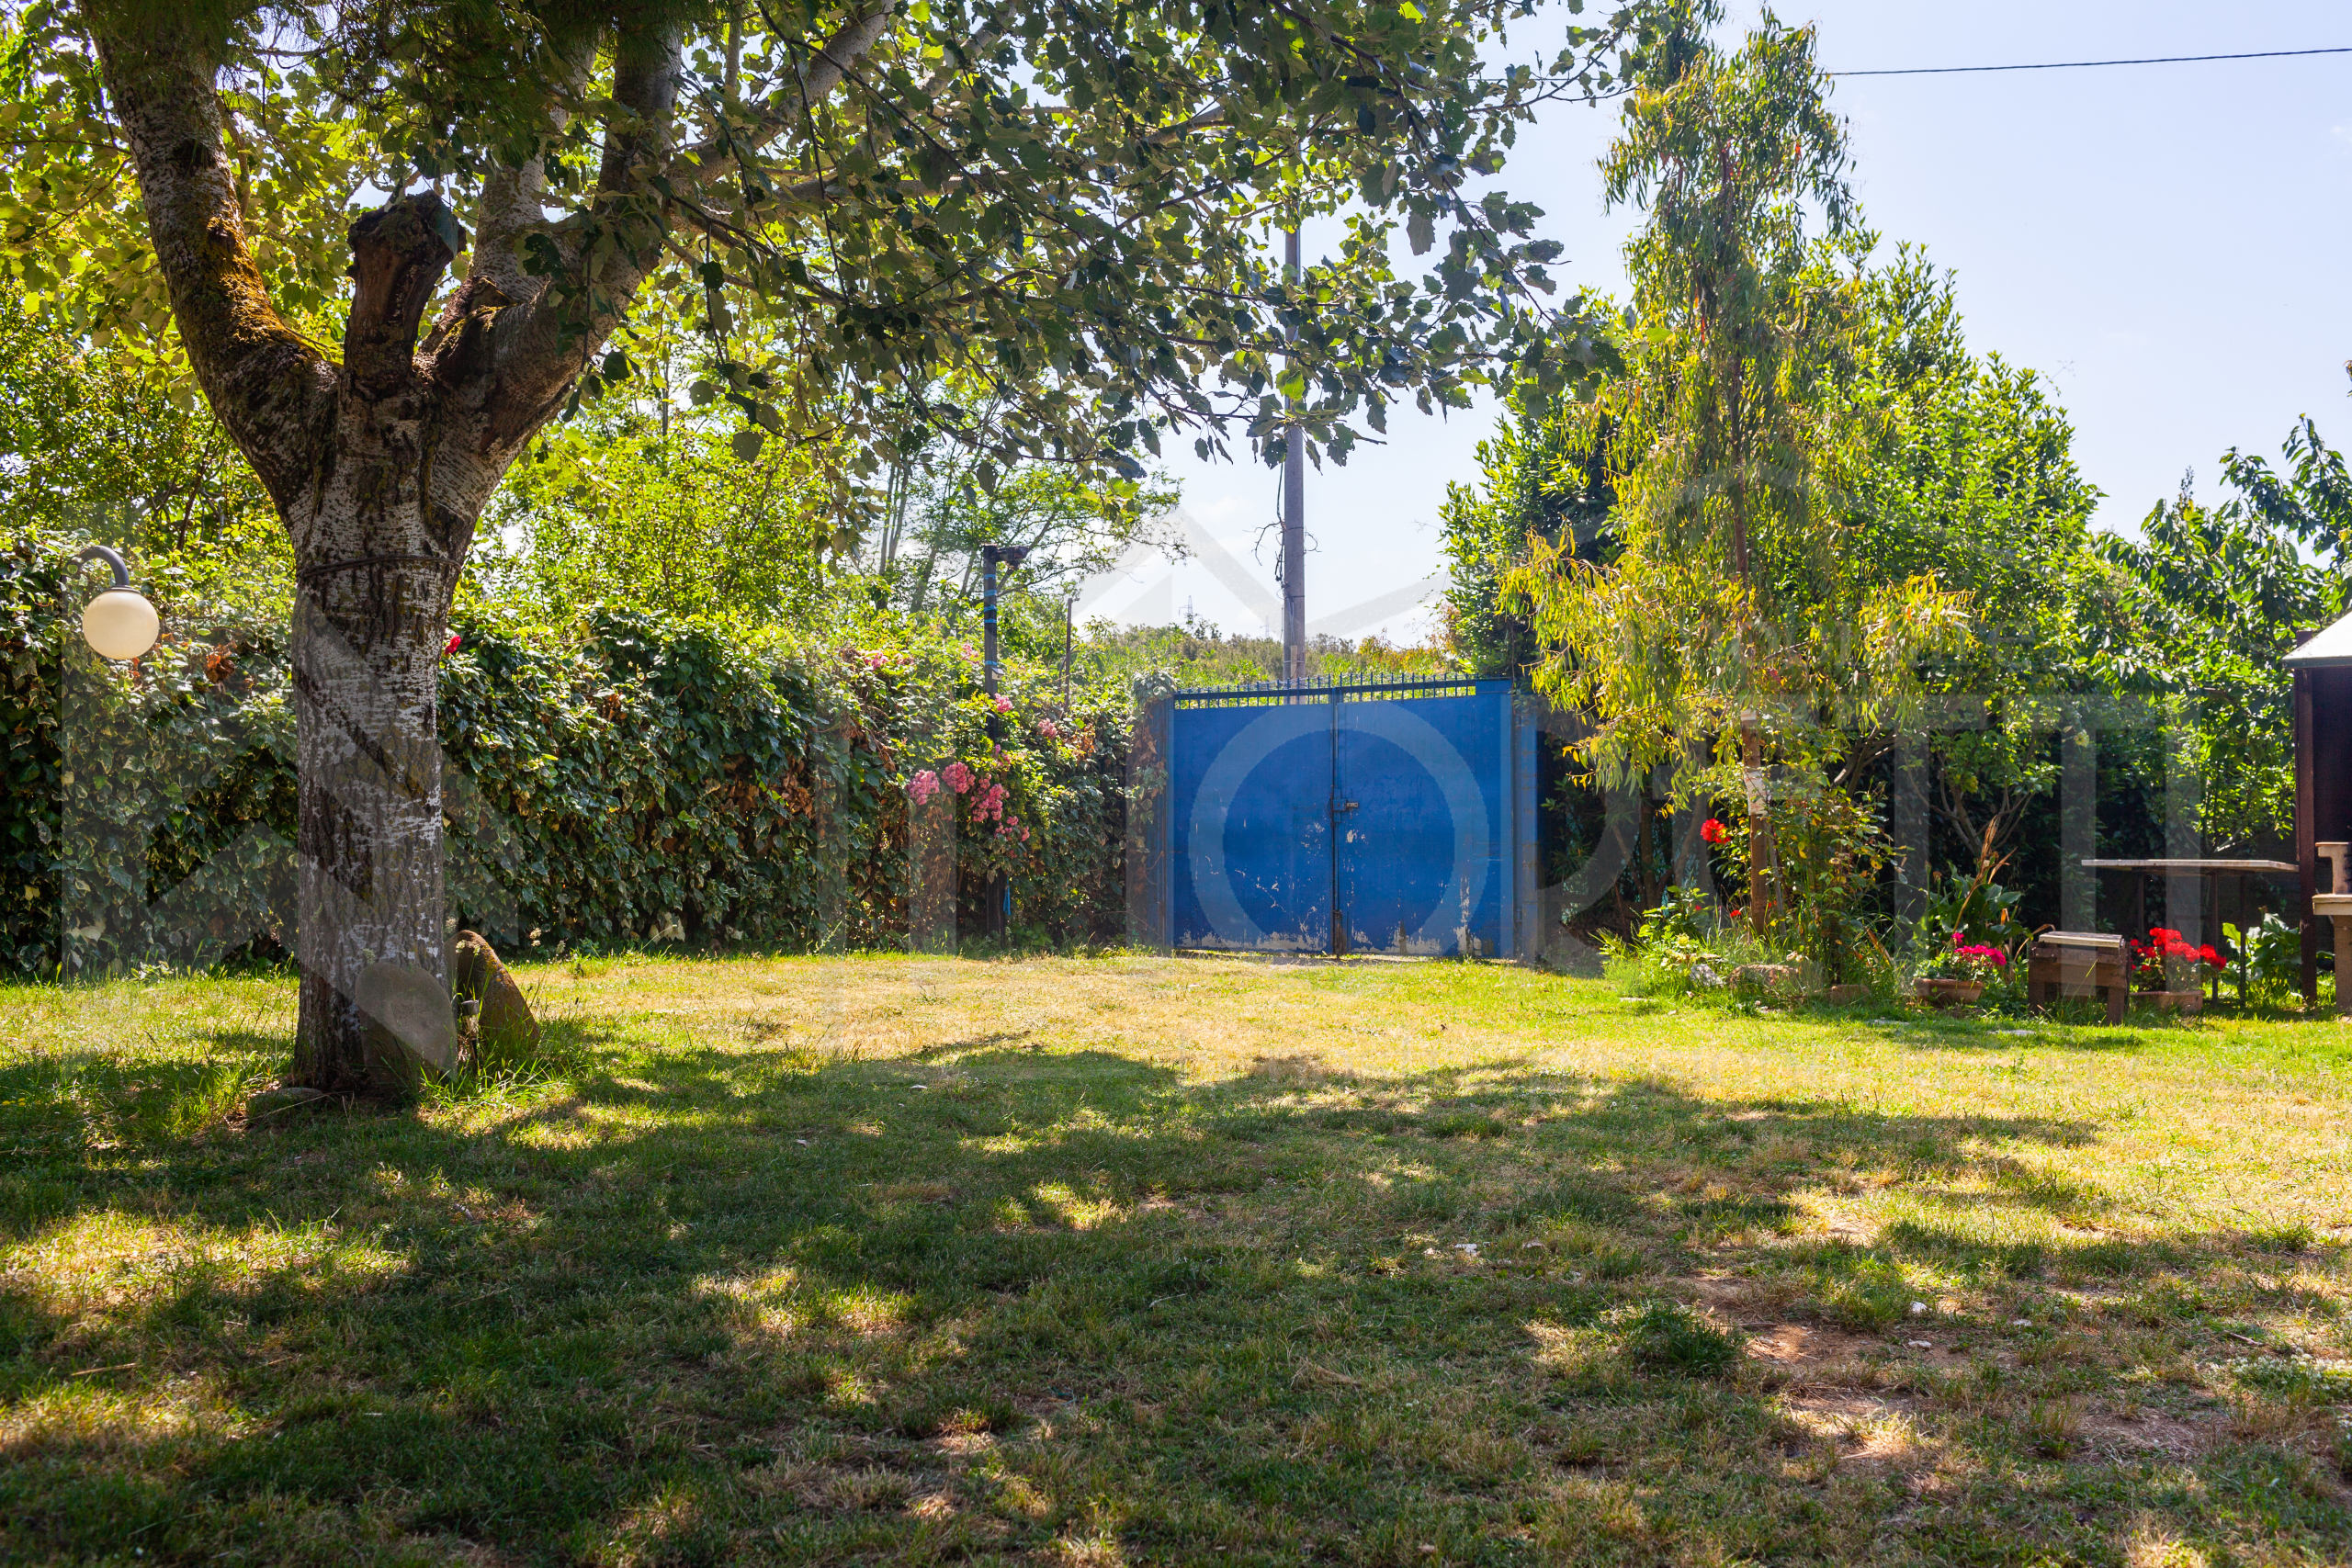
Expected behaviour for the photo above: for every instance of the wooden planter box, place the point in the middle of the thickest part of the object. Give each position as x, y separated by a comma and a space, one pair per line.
1948, 993
2078, 963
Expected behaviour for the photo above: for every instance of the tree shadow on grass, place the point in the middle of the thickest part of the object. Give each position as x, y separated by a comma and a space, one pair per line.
697, 1304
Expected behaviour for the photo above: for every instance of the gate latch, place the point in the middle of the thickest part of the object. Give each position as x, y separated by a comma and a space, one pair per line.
1338, 806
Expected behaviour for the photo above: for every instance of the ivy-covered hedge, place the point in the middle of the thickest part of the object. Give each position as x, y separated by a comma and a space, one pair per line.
655, 781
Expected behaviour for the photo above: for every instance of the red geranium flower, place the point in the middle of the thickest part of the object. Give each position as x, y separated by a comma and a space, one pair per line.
2210, 954
451, 647
1714, 832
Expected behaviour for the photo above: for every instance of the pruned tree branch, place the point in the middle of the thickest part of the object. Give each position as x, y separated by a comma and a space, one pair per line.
398, 254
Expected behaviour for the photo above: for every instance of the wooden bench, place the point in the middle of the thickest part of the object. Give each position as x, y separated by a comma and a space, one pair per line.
2079, 963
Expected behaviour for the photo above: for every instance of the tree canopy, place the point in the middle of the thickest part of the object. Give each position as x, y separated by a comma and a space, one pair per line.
1065, 204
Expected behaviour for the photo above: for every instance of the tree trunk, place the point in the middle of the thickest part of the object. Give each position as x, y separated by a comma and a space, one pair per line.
380, 535
369, 623
1763, 862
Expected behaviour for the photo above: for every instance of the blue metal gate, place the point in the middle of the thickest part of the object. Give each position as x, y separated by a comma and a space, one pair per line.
1394, 818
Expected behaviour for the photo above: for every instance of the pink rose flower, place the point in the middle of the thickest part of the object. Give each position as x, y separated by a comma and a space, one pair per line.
922, 786
957, 778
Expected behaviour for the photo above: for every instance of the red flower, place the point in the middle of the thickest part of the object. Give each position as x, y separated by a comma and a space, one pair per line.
2210, 954
1714, 832
451, 647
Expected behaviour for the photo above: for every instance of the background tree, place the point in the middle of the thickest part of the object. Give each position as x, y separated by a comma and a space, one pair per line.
1724, 151
95, 442
1543, 475
2235, 588
1950, 465
1063, 204
923, 554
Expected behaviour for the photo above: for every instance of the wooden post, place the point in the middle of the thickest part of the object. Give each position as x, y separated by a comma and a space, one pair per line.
2306, 859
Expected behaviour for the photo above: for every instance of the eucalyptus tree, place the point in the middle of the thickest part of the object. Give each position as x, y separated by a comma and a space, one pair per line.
1066, 202
1730, 619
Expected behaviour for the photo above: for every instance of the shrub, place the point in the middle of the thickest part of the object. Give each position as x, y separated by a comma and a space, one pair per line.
655, 781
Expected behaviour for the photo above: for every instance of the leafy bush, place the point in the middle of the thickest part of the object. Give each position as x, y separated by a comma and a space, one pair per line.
654, 782
2272, 952
123, 784
1977, 909
1831, 849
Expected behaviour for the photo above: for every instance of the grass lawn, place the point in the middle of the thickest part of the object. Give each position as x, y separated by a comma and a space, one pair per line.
1200, 1260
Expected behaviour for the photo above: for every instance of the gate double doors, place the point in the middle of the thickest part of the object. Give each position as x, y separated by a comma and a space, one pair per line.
1346, 819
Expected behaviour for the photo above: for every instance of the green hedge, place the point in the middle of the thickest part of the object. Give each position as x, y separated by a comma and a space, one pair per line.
654, 782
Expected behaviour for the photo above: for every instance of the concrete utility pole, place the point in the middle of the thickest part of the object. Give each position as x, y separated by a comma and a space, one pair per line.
1293, 522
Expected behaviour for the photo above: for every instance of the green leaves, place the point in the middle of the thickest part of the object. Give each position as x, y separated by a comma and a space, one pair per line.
2229, 592
659, 769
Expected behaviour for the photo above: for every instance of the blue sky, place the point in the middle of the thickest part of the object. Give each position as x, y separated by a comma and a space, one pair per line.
2171, 245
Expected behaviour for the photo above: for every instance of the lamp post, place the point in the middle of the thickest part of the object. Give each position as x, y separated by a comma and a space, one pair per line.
1000, 894
119, 623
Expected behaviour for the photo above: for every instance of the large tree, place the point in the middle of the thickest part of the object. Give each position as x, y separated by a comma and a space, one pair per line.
1064, 202
1733, 615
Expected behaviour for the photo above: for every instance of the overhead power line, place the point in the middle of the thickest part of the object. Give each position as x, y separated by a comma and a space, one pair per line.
2087, 64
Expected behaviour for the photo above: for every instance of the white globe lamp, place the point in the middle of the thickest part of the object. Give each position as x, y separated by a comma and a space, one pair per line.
118, 624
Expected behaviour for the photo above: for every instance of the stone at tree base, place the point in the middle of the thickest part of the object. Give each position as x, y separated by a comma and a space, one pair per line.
411, 1027
505, 1034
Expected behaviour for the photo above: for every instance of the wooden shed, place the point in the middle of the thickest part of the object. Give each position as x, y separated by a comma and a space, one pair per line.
2323, 671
